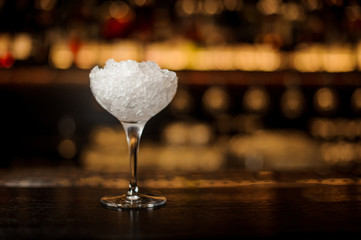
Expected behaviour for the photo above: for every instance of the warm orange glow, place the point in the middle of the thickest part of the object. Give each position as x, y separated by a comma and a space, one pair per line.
5, 43
232, 5
222, 58
61, 56
216, 100
119, 9
201, 134
125, 50
22, 46
202, 60
182, 134
339, 59
338, 153
211, 7
256, 99
349, 129
292, 103
87, 56
245, 58
339, 128
323, 128
269, 60
314, 58
182, 102
313, 4
325, 100
269, 7
168, 55
272, 150
256, 58
308, 60
67, 148
358, 55
182, 54
175, 134
187, 6
292, 11
140, 2
119, 51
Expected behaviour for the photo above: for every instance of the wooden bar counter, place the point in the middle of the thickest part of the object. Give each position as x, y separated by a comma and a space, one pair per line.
33, 205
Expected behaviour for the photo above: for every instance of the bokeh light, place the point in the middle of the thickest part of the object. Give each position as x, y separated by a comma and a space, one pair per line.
256, 99
216, 100
325, 100
292, 103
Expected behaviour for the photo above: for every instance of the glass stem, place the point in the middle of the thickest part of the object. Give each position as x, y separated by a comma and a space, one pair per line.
133, 131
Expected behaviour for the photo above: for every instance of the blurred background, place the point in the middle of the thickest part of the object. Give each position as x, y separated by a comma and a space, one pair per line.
267, 85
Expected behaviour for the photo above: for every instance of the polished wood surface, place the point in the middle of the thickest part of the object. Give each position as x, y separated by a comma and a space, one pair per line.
254, 211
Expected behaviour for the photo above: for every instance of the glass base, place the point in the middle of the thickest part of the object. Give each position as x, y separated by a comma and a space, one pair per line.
134, 201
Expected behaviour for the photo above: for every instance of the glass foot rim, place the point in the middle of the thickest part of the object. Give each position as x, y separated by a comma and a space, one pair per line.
132, 202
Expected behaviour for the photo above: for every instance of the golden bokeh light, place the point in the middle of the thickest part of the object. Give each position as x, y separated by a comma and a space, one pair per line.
87, 56
5, 42
67, 148
175, 133
274, 150
22, 46
212, 7
316, 58
269, 7
168, 55
308, 59
337, 128
119, 9
292, 103
338, 153
200, 134
313, 4
187, 134
185, 55
323, 128
216, 100
339, 59
182, 102
256, 58
124, 50
118, 50
141, 2
256, 99
292, 11
61, 56
186, 7
232, 5
325, 100
107, 137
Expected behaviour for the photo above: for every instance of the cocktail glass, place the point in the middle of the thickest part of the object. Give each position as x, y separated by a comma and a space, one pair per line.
133, 92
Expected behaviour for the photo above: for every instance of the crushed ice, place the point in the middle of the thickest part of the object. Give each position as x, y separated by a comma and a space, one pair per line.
132, 91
